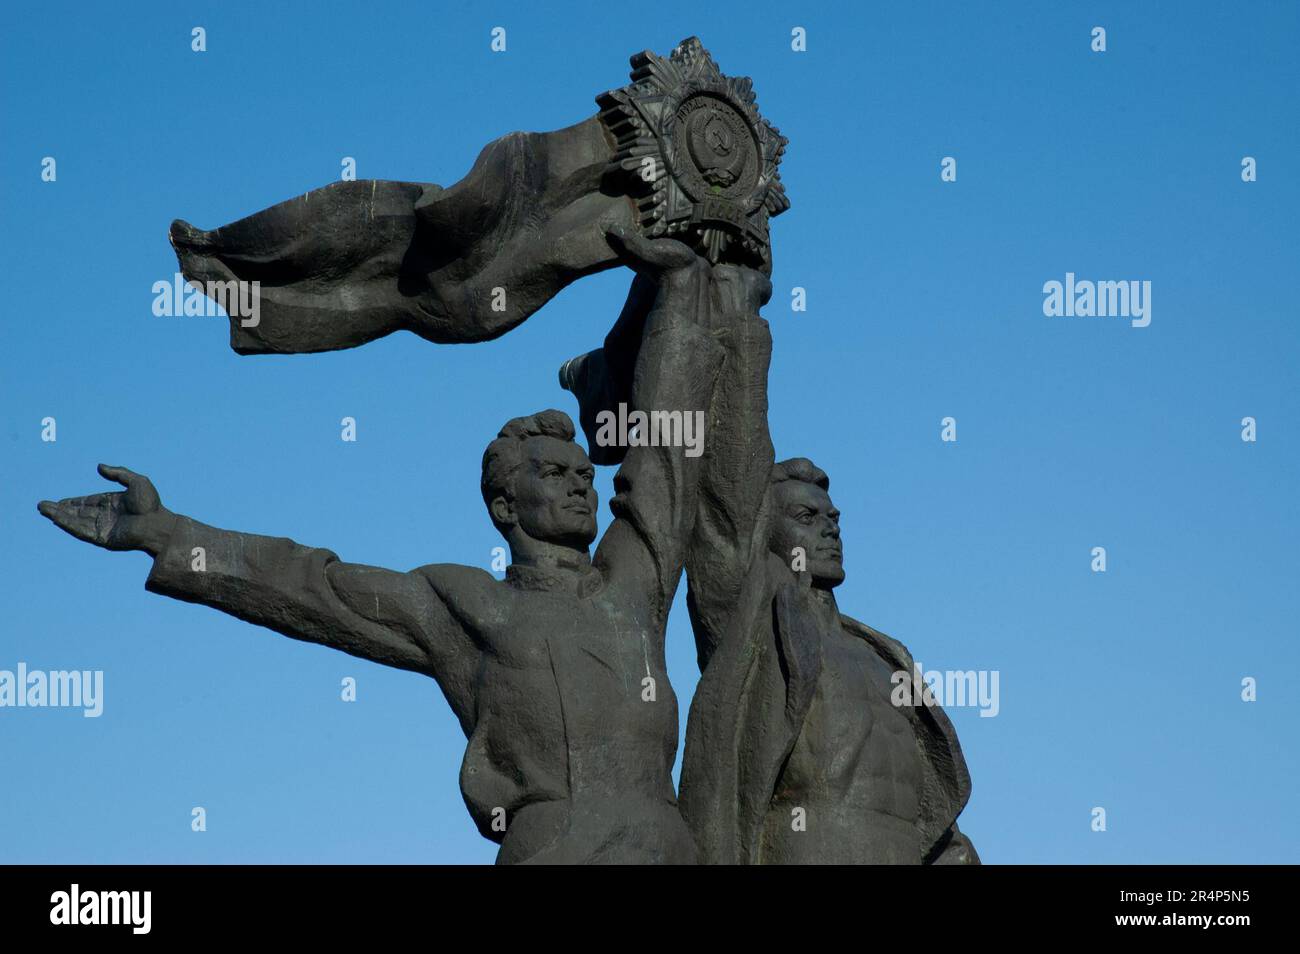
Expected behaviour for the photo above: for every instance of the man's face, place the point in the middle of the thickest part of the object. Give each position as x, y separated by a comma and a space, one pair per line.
804, 517
554, 499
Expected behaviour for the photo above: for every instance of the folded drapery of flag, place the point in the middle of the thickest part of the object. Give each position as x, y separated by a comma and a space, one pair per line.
355, 261
681, 152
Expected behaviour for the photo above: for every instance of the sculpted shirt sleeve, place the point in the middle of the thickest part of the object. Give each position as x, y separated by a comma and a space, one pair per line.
655, 488
728, 542
306, 593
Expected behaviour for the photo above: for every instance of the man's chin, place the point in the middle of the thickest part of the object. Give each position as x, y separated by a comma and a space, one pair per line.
579, 537
826, 574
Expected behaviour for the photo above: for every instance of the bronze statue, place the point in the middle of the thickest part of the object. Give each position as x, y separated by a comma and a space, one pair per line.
556, 673
794, 753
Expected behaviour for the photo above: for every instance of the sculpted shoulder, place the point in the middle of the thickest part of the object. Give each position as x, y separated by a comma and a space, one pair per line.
893, 651
467, 591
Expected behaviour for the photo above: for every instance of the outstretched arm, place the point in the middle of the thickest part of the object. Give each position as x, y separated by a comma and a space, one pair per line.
303, 592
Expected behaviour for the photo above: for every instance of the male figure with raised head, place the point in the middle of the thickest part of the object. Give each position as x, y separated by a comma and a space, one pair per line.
556, 673
795, 752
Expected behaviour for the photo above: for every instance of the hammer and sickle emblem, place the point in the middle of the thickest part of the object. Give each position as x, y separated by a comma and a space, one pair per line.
719, 137
716, 146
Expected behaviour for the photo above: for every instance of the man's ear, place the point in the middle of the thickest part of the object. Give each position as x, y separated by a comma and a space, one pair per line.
503, 511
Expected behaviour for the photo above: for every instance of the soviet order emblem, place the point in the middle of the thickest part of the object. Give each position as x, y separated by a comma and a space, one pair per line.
694, 152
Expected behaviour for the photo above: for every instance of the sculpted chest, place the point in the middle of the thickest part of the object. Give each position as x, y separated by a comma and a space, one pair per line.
855, 746
600, 672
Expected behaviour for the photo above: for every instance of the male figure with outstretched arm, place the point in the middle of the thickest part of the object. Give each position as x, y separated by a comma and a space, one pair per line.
556, 673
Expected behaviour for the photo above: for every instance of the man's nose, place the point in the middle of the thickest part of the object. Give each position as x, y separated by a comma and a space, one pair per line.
832, 530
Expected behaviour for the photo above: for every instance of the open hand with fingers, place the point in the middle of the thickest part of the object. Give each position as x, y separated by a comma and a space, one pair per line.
134, 519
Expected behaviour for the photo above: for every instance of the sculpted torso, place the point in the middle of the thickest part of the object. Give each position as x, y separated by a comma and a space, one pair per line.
855, 768
601, 766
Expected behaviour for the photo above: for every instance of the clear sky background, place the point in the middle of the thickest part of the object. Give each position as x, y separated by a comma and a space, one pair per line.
1119, 690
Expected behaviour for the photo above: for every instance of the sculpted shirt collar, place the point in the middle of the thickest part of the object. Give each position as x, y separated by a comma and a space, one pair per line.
582, 580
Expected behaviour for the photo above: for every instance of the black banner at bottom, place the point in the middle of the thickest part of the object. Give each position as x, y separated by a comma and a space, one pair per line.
937, 906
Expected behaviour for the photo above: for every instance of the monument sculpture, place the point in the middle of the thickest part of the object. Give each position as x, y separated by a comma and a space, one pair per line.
557, 673
795, 752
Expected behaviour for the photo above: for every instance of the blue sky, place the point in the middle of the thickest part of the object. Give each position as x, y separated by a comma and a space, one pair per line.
1118, 690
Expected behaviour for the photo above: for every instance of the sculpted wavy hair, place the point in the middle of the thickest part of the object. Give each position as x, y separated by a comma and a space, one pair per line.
504, 455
